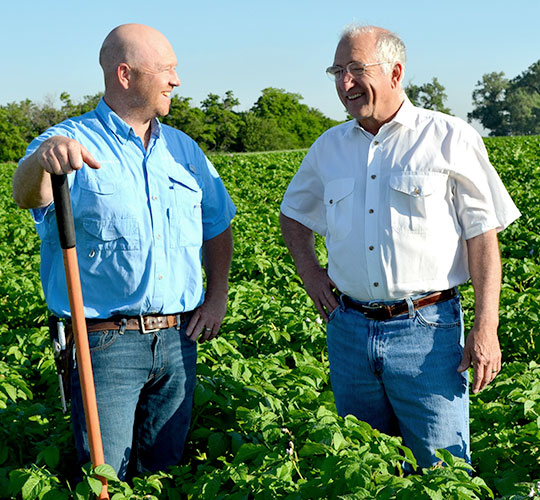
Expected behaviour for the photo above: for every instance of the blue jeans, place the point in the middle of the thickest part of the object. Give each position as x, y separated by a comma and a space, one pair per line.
400, 376
144, 388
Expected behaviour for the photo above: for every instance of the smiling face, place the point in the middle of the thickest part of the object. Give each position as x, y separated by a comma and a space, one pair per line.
153, 78
375, 97
139, 65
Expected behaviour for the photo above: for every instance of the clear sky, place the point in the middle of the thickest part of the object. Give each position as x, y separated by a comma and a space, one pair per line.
247, 45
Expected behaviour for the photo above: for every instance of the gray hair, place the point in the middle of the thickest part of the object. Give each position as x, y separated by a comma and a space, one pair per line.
389, 47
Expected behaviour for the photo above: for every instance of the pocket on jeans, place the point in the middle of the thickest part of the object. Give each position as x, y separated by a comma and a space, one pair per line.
334, 313
442, 315
99, 341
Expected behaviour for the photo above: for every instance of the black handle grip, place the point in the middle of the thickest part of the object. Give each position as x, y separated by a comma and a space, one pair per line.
64, 212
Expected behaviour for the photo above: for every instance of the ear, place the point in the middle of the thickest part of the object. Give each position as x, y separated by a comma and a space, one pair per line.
397, 75
123, 74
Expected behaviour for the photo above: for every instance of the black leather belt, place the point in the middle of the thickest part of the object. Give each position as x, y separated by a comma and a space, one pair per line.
381, 312
145, 324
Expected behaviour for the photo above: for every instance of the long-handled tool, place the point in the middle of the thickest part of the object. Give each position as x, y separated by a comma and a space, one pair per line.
66, 230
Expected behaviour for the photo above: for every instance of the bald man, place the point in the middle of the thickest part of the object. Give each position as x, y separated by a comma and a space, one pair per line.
147, 204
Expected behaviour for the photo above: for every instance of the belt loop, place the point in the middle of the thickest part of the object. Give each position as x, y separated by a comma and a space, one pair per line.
178, 321
410, 306
123, 326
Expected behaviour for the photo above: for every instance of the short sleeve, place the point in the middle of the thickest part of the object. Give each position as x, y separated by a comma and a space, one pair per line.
482, 202
217, 206
304, 198
38, 214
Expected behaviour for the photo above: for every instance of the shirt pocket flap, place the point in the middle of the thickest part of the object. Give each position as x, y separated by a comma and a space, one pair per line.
181, 176
417, 184
338, 189
100, 188
109, 230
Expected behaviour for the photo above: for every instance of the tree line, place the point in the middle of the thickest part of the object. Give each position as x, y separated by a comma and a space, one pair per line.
279, 120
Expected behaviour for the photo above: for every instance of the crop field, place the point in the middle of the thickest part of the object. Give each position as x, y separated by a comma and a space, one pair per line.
264, 423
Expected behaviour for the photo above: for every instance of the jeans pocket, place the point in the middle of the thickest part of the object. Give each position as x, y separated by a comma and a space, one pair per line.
443, 315
334, 313
101, 340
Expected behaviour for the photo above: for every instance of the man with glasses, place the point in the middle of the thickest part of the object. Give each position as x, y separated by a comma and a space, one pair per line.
410, 207
146, 204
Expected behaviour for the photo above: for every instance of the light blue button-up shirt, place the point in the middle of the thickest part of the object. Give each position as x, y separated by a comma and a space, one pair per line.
140, 219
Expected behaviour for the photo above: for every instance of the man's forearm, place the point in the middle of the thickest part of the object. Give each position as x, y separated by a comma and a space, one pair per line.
485, 270
217, 258
300, 242
31, 184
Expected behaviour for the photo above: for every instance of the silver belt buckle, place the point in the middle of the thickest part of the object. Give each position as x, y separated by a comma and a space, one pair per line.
375, 305
143, 328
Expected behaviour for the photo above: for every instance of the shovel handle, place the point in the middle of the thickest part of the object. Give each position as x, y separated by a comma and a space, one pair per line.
64, 211
66, 233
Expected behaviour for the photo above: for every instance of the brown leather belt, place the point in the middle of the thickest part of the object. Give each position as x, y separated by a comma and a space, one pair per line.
145, 324
381, 312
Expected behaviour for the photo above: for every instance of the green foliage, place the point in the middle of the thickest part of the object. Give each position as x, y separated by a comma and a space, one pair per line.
12, 143
299, 123
277, 121
264, 422
429, 96
508, 107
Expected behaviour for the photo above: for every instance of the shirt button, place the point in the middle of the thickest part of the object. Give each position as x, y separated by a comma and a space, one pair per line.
371, 210
154, 197
376, 143
371, 247
92, 253
331, 201
160, 277
376, 283
159, 236
373, 176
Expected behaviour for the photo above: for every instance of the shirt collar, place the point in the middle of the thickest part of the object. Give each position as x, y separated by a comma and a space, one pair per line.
118, 126
406, 116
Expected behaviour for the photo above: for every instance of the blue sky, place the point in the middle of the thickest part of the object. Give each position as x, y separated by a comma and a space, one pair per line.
246, 46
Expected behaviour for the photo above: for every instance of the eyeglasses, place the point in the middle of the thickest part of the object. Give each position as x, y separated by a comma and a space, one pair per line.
355, 69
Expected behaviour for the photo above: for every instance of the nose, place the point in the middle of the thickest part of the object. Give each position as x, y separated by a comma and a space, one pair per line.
347, 81
175, 80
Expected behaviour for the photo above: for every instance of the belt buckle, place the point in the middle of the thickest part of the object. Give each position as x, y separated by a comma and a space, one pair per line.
375, 311
143, 328
375, 305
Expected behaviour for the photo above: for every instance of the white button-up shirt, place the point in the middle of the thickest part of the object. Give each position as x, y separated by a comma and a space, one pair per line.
397, 208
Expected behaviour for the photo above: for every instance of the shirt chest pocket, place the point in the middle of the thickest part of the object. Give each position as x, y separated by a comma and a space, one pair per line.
185, 213
338, 201
417, 201
105, 236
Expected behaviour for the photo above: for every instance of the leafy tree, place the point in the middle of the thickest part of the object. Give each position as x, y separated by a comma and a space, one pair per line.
12, 142
508, 107
222, 123
259, 134
69, 109
428, 96
489, 103
300, 124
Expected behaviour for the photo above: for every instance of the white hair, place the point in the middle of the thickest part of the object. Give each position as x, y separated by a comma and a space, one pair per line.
389, 47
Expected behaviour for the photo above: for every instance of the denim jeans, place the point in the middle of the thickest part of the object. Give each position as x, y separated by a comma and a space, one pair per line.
144, 389
400, 376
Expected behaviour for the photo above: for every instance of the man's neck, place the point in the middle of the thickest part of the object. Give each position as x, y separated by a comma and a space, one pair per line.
141, 126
